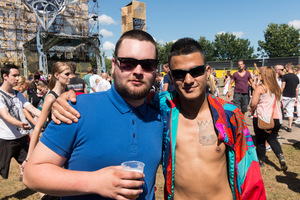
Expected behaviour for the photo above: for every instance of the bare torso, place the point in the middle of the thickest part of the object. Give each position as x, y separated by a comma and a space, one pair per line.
200, 163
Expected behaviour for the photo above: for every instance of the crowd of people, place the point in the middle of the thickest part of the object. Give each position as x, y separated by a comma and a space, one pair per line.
185, 122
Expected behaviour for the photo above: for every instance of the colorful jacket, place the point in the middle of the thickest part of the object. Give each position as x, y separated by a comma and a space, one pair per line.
243, 168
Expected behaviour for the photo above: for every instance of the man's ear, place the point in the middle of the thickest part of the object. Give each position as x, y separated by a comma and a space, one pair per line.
113, 65
4, 76
207, 72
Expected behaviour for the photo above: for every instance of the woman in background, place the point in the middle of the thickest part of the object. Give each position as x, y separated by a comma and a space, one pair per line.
61, 75
265, 104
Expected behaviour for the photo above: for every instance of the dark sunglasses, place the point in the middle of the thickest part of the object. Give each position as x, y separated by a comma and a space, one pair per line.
129, 64
281, 69
179, 74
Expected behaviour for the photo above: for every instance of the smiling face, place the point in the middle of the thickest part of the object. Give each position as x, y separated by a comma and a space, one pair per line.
133, 84
189, 88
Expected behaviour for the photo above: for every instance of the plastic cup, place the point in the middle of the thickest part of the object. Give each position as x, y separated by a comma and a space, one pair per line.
135, 166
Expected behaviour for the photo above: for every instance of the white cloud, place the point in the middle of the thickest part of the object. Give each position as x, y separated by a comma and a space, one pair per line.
295, 23
221, 32
105, 33
238, 34
108, 46
106, 20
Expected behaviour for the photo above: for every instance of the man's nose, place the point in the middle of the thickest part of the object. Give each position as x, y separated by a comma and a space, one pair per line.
138, 69
188, 78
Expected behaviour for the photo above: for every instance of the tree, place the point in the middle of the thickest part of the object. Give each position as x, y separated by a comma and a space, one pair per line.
281, 40
229, 47
163, 51
208, 47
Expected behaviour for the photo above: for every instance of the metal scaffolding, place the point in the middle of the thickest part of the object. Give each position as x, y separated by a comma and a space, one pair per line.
23, 20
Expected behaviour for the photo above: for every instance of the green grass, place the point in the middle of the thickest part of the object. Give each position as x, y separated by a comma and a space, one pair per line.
279, 185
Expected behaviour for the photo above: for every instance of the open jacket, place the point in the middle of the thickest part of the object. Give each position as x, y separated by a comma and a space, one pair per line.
243, 168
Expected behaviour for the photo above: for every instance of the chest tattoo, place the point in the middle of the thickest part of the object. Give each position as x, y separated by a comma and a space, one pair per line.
206, 133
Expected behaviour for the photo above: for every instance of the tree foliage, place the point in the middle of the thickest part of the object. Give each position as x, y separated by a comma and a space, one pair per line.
208, 48
163, 51
229, 47
281, 40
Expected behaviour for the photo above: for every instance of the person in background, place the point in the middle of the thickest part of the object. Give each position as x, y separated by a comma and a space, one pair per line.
98, 84
14, 128
289, 87
76, 84
265, 104
61, 75
226, 84
168, 86
297, 121
86, 79
22, 87
34, 97
43, 89
241, 93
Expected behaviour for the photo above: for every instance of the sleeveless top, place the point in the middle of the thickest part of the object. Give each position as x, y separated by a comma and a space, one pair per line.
55, 96
265, 107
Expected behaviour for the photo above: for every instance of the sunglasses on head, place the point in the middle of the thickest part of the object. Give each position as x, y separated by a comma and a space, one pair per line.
129, 64
179, 74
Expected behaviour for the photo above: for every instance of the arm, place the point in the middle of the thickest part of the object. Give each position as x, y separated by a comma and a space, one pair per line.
255, 98
110, 182
29, 117
257, 69
252, 83
49, 100
33, 109
229, 87
297, 92
10, 119
282, 86
166, 85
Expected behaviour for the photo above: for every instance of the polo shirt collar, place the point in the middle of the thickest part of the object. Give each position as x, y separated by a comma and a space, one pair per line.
122, 105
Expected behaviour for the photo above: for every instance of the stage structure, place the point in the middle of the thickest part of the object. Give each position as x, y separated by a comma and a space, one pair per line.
134, 16
47, 31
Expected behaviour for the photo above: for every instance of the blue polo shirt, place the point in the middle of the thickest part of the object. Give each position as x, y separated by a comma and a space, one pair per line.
109, 132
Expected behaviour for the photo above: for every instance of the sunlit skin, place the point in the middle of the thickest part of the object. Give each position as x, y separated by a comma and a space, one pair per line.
200, 161
13, 77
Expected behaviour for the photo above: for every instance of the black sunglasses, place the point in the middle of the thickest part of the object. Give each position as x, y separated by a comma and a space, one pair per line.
179, 74
281, 69
129, 64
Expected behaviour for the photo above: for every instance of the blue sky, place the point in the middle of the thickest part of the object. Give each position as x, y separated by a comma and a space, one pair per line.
170, 20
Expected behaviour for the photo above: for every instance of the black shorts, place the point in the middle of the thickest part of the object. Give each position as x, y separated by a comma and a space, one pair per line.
17, 149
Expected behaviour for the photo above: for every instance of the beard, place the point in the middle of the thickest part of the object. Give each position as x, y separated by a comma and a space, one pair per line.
129, 93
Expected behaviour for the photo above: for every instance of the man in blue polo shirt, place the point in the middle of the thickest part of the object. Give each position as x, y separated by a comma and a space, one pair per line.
115, 126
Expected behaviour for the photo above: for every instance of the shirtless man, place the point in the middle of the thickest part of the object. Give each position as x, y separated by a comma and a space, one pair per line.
215, 155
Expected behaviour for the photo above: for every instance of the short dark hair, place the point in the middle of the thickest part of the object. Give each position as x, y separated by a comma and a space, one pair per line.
185, 46
136, 35
72, 66
6, 69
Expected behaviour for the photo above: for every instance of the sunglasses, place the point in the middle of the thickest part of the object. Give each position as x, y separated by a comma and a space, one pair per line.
281, 69
179, 74
129, 64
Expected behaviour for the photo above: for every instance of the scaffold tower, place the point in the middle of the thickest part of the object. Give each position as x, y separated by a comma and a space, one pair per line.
21, 21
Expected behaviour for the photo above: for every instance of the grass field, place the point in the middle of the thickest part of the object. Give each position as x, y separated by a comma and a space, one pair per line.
279, 185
